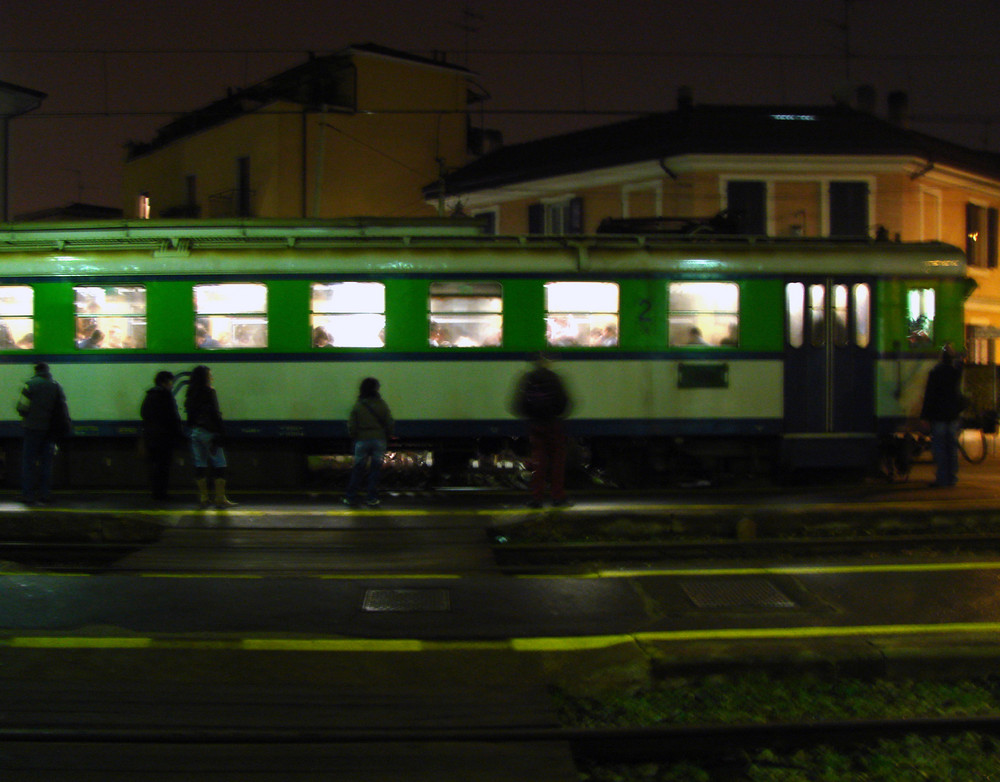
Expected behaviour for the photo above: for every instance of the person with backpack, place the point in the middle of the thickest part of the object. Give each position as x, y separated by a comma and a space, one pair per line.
542, 400
370, 425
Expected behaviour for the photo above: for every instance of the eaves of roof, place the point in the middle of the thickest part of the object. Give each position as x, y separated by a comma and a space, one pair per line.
706, 130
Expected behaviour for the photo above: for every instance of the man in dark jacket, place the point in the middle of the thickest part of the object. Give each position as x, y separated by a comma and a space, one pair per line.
161, 430
541, 398
942, 408
39, 399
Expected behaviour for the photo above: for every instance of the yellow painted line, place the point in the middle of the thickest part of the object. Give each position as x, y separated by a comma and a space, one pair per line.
78, 642
389, 576
796, 570
817, 632
541, 644
331, 645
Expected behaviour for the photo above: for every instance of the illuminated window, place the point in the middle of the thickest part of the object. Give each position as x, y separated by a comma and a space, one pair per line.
348, 315
110, 317
920, 316
17, 327
817, 314
704, 313
581, 314
230, 316
142, 206
466, 314
862, 315
795, 303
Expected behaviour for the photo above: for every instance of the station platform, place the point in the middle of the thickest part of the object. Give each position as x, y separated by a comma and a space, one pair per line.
306, 573
292, 617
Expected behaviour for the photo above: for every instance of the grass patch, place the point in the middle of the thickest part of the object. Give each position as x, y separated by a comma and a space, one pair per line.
759, 698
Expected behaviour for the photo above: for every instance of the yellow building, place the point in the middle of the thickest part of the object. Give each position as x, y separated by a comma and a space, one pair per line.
811, 171
355, 133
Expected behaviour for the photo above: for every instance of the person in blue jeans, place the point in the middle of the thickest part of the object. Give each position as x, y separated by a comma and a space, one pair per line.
41, 400
942, 408
370, 425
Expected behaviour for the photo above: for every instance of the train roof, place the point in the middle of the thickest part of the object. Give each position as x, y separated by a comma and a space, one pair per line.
435, 246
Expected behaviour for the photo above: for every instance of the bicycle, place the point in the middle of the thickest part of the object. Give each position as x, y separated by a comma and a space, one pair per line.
902, 448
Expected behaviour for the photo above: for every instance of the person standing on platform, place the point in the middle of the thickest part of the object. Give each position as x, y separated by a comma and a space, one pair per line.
205, 422
42, 407
541, 398
942, 408
370, 425
161, 430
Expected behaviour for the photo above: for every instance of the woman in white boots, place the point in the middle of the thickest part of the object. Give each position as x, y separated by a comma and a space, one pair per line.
205, 422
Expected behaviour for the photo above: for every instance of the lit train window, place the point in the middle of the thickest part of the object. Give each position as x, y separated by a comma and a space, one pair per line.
817, 315
704, 313
17, 326
110, 317
920, 315
348, 315
230, 316
862, 315
795, 304
465, 314
840, 333
581, 314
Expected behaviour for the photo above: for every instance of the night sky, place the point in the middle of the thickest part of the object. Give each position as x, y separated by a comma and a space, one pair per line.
117, 70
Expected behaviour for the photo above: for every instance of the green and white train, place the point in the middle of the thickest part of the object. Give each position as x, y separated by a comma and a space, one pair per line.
678, 352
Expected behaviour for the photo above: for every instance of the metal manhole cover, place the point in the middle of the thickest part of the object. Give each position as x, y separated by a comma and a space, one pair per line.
736, 593
407, 600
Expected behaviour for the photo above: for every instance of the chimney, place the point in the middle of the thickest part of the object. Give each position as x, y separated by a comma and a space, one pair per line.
866, 98
685, 98
899, 108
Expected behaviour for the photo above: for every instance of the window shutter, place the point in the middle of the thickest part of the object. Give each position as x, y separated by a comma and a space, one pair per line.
848, 209
536, 219
971, 233
746, 203
575, 216
991, 232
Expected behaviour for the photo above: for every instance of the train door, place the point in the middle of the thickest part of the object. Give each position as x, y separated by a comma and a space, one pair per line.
829, 356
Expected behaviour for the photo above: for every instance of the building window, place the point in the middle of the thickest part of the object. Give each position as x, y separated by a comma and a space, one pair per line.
704, 313
17, 325
112, 317
230, 316
920, 316
556, 218
849, 209
746, 204
466, 314
348, 315
981, 236
581, 314
142, 206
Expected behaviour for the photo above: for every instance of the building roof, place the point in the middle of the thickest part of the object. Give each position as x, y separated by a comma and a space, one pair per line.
326, 81
16, 100
711, 130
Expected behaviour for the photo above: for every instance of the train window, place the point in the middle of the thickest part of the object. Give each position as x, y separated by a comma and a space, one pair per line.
466, 314
862, 315
840, 333
583, 314
920, 315
348, 315
16, 317
817, 315
110, 317
230, 316
704, 313
795, 304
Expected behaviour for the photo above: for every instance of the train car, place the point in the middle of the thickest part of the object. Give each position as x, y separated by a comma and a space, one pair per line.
682, 355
